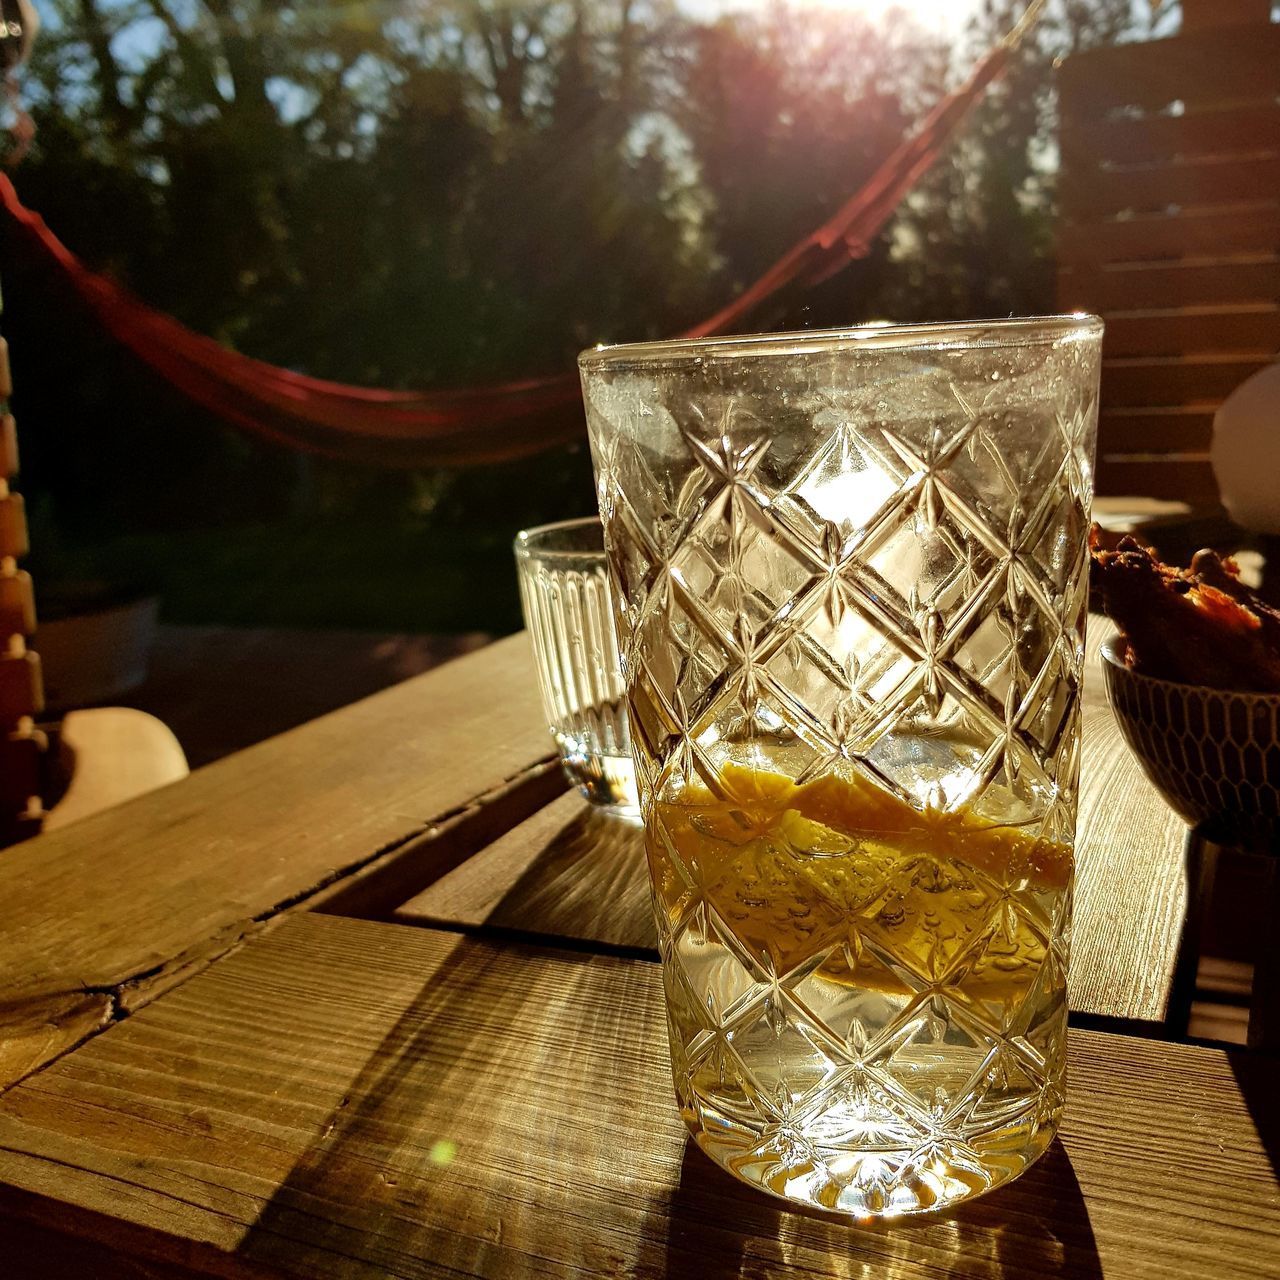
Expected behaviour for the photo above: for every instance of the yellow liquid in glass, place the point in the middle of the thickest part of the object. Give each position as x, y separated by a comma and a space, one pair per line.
866, 998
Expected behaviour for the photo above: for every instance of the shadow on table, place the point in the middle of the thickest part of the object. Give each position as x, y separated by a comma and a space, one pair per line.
589, 883
1256, 1075
505, 1113
481, 1135
368, 1195
538, 1124
720, 1229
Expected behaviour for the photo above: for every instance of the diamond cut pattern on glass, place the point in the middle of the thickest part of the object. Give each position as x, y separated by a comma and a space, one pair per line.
869, 570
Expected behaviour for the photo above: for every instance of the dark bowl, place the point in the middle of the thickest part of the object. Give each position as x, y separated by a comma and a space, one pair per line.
1213, 754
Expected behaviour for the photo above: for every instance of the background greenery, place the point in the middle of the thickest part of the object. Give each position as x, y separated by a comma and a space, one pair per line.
433, 193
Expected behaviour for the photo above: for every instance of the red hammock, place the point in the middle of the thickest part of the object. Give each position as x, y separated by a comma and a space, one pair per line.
474, 424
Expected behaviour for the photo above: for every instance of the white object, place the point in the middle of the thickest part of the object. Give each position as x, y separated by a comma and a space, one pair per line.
113, 754
1246, 452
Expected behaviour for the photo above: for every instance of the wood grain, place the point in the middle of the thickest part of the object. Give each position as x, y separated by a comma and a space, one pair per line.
96, 918
569, 874
1229, 64
1092, 190
1249, 328
1148, 138
1131, 893
345, 1098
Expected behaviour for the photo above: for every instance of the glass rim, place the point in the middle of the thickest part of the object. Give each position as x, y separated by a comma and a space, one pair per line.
1008, 331
527, 543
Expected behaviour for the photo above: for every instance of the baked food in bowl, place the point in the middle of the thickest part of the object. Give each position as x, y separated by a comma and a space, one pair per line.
1194, 682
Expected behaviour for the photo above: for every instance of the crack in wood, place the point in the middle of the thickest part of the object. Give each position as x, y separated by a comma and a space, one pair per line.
44, 1028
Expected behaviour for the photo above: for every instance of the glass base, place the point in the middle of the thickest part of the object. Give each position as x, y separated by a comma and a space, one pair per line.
608, 782
887, 1180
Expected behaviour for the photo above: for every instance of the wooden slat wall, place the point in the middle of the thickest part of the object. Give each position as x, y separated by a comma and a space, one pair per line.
1237, 64
1159, 236
1170, 192
1206, 181
1181, 429
1247, 329
22, 746
1247, 279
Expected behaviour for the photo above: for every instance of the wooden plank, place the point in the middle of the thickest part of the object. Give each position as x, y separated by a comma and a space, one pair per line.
1187, 478
21, 691
13, 523
17, 605
1177, 429
1147, 237
1152, 285
1226, 65
22, 761
9, 459
565, 873
568, 874
97, 918
64, 1258
1152, 137
1264, 999
1199, 15
1168, 380
354, 1099
1246, 330
1130, 896
1090, 191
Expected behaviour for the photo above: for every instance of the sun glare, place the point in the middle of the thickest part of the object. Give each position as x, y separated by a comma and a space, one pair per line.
929, 13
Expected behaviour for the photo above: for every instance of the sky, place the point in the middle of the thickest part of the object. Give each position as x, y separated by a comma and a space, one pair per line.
138, 40
948, 15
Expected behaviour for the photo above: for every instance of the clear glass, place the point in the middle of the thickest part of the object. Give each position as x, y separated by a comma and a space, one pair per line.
849, 575
564, 589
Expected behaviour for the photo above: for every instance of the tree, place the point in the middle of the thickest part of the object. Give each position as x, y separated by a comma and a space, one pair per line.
788, 112
462, 191
439, 196
977, 238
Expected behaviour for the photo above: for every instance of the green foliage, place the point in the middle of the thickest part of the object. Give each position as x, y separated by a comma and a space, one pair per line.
976, 238
461, 191
787, 113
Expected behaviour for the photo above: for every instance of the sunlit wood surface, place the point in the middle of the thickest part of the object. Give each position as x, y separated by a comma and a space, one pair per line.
97, 918
471, 1080
353, 1099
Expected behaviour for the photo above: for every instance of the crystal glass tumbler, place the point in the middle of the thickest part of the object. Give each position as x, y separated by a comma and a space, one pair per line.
849, 577
564, 590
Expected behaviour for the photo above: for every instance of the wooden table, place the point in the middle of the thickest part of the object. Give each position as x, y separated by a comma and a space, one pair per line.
377, 998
